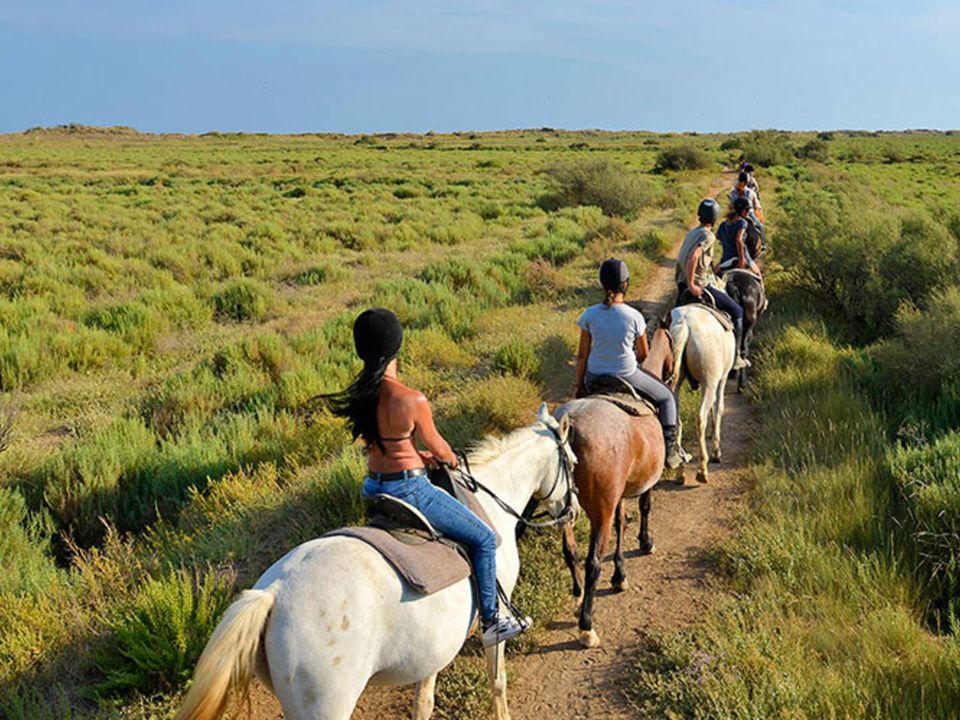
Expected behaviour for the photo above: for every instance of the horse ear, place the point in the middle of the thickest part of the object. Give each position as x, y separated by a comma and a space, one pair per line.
564, 428
544, 416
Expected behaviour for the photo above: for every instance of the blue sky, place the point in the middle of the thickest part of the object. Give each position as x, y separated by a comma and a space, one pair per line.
418, 65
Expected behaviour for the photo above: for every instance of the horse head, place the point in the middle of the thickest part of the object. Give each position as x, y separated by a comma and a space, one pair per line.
558, 495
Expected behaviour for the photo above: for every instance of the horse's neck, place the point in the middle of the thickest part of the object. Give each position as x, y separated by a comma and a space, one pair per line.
659, 355
514, 477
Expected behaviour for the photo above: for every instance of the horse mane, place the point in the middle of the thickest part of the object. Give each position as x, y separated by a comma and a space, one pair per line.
493, 447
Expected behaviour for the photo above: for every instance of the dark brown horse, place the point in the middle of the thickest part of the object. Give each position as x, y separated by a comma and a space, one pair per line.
744, 287
618, 457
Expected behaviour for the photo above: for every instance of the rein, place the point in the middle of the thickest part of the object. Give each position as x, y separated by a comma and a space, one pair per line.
564, 470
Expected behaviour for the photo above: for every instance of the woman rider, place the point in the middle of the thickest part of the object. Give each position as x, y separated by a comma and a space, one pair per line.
693, 272
732, 235
613, 341
390, 417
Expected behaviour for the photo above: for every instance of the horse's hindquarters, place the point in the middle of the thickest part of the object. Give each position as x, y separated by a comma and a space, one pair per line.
343, 617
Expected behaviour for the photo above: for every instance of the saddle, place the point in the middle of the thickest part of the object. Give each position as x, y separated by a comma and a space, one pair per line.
687, 298
426, 560
620, 393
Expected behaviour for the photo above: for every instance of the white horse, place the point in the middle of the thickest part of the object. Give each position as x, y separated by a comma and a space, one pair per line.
707, 350
332, 615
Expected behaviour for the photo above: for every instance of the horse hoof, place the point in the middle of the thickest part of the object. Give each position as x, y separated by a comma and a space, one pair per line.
702, 476
648, 548
622, 585
589, 639
715, 459
680, 477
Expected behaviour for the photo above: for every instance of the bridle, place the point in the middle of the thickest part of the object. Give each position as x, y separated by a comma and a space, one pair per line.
564, 472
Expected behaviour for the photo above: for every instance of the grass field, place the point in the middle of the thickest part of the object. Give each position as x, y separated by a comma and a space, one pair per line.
170, 305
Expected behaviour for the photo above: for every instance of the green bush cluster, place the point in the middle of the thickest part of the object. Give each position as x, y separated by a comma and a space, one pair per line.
601, 182
684, 157
766, 148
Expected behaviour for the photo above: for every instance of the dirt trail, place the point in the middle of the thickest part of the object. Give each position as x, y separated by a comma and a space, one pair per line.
667, 590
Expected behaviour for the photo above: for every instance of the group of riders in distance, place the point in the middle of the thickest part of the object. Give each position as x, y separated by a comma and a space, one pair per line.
403, 447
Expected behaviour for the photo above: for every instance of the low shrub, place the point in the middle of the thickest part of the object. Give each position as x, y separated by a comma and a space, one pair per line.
26, 563
653, 243
156, 642
242, 299
816, 150
767, 148
517, 358
683, 157
601, 182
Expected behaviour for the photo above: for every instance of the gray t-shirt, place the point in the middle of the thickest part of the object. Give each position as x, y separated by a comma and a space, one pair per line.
613, 330
749, 194
698, 237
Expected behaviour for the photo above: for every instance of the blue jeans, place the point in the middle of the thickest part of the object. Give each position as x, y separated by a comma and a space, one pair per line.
723, 301
451, 518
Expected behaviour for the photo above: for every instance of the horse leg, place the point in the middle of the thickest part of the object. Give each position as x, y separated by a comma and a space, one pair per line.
718, 420
619, 581
703, 418
599, 539
573, 562
748, 322
679, 477
497, 675
646, 542
423, 700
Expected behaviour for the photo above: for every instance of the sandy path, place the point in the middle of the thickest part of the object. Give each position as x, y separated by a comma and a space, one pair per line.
668, 589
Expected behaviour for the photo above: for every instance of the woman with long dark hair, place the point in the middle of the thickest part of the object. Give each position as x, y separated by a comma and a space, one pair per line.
390, 417
613, 341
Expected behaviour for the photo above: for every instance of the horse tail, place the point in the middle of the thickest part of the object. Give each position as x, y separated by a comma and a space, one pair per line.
227, 663
680, 332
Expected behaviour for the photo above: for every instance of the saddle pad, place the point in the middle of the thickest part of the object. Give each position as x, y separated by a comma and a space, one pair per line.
638, 407
427, 567
721, 317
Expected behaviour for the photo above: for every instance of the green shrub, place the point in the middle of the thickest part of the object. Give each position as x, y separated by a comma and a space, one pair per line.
767, 148
518, 358
600, 182
242, 299
928, 478
132, 321
26, 563
495, 405
816, 150
683, 157
156, 642
318, 275
653, 243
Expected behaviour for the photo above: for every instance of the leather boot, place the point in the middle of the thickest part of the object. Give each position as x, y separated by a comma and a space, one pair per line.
740, 362
673, 452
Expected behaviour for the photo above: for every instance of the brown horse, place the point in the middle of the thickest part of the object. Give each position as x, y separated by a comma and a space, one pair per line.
618, 457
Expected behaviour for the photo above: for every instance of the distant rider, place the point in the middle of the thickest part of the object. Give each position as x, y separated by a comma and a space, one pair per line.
613, 341
390, 417
693, 271
732, 235
742, 189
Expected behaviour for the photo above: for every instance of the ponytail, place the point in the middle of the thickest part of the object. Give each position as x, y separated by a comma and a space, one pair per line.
610, 294
358, 403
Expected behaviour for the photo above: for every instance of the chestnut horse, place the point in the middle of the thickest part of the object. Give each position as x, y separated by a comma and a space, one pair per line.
618, 457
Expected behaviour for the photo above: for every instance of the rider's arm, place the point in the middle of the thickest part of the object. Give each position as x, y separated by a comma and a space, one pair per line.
691, 268
582, 354
642, 348
428, 434
741, 248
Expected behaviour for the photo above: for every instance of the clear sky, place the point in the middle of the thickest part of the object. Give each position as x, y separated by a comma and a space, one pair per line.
418, 65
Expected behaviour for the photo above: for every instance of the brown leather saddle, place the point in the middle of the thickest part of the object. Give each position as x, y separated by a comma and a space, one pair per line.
620, 393
424, 558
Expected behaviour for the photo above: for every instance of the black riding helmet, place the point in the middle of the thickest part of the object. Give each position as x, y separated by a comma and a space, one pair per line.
377, 335
613, 274
741, 204
709, 211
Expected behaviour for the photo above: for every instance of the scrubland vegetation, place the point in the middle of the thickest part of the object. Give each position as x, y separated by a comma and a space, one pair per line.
171, 305
844, 572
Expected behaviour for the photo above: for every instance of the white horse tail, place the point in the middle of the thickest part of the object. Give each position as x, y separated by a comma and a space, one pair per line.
227, 663
680, 332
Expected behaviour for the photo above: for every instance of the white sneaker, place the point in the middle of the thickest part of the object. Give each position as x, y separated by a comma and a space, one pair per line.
741, 363
504, 628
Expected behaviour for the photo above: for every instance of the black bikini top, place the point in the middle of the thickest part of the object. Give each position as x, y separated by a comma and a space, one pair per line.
400, 439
